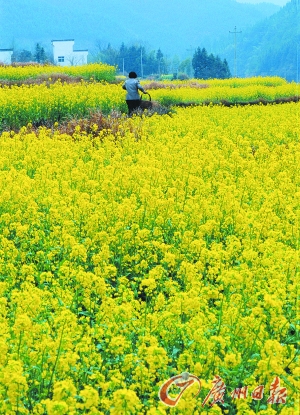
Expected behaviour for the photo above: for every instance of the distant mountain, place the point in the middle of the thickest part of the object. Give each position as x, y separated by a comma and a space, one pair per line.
271, 47
172, 25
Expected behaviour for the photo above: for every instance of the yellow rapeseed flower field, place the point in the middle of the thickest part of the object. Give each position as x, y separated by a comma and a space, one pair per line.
126, 260
40, 103
231, 82
216, 93
97, 71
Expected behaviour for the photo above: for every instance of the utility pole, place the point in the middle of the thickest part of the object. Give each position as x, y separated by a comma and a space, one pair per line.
190, 69
235, 33
142, 72
297, 66
297, 53
159, 57
123, 67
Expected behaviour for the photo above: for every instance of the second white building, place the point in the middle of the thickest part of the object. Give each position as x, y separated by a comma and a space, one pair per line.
65, 55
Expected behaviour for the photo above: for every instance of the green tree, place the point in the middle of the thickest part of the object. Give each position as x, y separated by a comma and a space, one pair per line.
159, 57
131, 58
122, 60
111, 55
185, 67
209, 66
151, 64
22, 56
225, 71
39, 55
200, 63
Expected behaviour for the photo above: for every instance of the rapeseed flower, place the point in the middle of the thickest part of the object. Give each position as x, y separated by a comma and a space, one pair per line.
126, 262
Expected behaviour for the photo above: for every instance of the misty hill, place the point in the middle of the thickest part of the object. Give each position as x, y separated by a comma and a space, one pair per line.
270, 47
172, 25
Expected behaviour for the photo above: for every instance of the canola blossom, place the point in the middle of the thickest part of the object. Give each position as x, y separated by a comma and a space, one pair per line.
127, 260
231, 82
39, 104
96, 71
217, 93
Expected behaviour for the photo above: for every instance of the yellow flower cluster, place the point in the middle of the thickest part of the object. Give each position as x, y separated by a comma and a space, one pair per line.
40, 103
97, 71
232, 82
125, 262
230, 90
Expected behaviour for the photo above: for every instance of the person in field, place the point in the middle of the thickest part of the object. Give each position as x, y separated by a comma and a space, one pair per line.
132, 86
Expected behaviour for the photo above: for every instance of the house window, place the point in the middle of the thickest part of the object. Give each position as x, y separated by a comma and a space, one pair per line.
61, 58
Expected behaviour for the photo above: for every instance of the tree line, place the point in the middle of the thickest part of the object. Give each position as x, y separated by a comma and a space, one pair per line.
39, 55
136, 58
146, 63
209, 66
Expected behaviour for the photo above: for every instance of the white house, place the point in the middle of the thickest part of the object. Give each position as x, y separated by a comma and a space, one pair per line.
65, 55
5, 56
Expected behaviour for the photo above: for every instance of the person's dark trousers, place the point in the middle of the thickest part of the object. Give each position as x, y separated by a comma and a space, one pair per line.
132, 104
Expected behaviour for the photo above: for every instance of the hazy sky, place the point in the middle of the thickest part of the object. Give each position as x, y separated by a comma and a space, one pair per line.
278, 2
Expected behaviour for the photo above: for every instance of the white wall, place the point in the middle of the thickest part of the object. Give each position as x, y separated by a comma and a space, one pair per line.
64, 55
5, 56
80, 57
